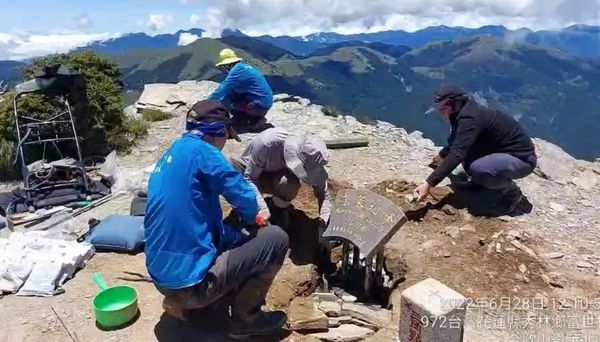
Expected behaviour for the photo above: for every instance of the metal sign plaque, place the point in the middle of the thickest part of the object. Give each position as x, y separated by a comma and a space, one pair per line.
365, 219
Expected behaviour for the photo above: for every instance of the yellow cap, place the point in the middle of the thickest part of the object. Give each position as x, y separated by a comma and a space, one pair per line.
227, 56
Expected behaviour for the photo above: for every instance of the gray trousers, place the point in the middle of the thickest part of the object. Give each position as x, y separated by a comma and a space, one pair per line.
256, 261
497, 171
282, 184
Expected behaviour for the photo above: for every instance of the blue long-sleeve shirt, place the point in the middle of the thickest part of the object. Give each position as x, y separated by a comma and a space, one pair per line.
244, 80
183, 223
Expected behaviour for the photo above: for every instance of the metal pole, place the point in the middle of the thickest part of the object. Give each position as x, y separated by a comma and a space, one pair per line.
345, 256
74, 130
368, 277
356, 258
379, 269
21, 155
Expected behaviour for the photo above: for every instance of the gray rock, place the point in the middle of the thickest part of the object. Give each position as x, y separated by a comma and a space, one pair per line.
331, 309
370, 314
522, 268
325, 296
467, 228
523, 248
190, 92
584, 264
303, 316
131, 112
553, 162
335, 322
344, 333
557, 207
553, 255
453, 232
587, 179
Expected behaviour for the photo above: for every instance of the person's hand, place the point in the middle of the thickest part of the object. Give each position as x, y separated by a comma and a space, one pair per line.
437, 159
422, 191
262, 218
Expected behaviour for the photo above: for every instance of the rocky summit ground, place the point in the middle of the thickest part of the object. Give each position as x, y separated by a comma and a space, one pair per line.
526, 277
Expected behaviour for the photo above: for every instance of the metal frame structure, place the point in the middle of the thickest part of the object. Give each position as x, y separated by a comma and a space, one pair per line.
31, 131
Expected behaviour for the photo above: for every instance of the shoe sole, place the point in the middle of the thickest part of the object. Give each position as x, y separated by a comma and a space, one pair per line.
243, 336
247, 336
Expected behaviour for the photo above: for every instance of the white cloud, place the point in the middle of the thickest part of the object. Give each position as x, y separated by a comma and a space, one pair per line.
159, 22
187, 38
298, 17
21, 45
84, 21
194, 19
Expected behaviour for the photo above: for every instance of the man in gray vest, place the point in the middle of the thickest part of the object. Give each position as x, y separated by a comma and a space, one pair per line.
277, 162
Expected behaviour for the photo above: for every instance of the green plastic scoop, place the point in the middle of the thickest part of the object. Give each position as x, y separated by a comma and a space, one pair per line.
114, 306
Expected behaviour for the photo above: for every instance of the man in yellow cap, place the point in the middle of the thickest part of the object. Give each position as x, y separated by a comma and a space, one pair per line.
245, 91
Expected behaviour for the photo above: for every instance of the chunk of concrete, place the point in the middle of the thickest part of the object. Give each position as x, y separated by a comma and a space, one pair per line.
344, 333
431, 312
304, 316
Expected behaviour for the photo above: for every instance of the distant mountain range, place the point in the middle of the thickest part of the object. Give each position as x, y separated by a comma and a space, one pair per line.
10, 71
547, 79
579, 40
553, 94
140, 41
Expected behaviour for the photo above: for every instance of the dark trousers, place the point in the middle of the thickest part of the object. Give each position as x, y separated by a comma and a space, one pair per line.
245, 108
254, 262
497, 171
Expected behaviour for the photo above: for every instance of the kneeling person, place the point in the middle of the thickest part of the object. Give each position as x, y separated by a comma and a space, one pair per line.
192, 257
277, 162
492, 147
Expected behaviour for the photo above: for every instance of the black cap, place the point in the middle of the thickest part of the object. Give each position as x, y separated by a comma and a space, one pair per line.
444, 93
448, 91
212, 111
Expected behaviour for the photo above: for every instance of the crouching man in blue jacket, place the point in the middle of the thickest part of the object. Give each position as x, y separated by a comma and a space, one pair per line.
192, 257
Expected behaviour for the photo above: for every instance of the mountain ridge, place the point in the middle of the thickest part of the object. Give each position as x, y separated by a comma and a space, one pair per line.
540, 86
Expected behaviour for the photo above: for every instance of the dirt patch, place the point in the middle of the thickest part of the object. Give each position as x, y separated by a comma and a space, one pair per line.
472, 255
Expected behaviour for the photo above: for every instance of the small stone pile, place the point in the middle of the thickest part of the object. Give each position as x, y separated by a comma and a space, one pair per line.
332, 318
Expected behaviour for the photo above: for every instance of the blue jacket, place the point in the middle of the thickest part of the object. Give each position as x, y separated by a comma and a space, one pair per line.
244, 80
183, 224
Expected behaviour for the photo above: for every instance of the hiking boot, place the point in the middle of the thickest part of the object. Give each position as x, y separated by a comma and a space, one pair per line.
509, 200
247, 317
175, 311
262, 324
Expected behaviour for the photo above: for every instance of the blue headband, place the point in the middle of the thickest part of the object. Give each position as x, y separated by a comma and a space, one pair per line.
215, 128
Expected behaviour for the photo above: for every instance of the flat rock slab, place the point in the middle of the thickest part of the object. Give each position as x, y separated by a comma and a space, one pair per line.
383, 335
344, 333
292, 281
371, 314
304, 316
554, 255
331, 309
335, 322
296, 337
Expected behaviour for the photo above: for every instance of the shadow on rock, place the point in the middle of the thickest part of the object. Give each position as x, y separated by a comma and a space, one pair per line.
201, 328
303, 232
481, 202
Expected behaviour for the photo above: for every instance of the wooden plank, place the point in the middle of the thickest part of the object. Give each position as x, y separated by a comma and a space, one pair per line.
346, 143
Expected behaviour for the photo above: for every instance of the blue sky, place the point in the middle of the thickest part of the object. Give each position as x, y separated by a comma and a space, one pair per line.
47, 16
38, 27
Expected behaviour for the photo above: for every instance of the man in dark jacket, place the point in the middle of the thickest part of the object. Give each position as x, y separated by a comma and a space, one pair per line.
491, 145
